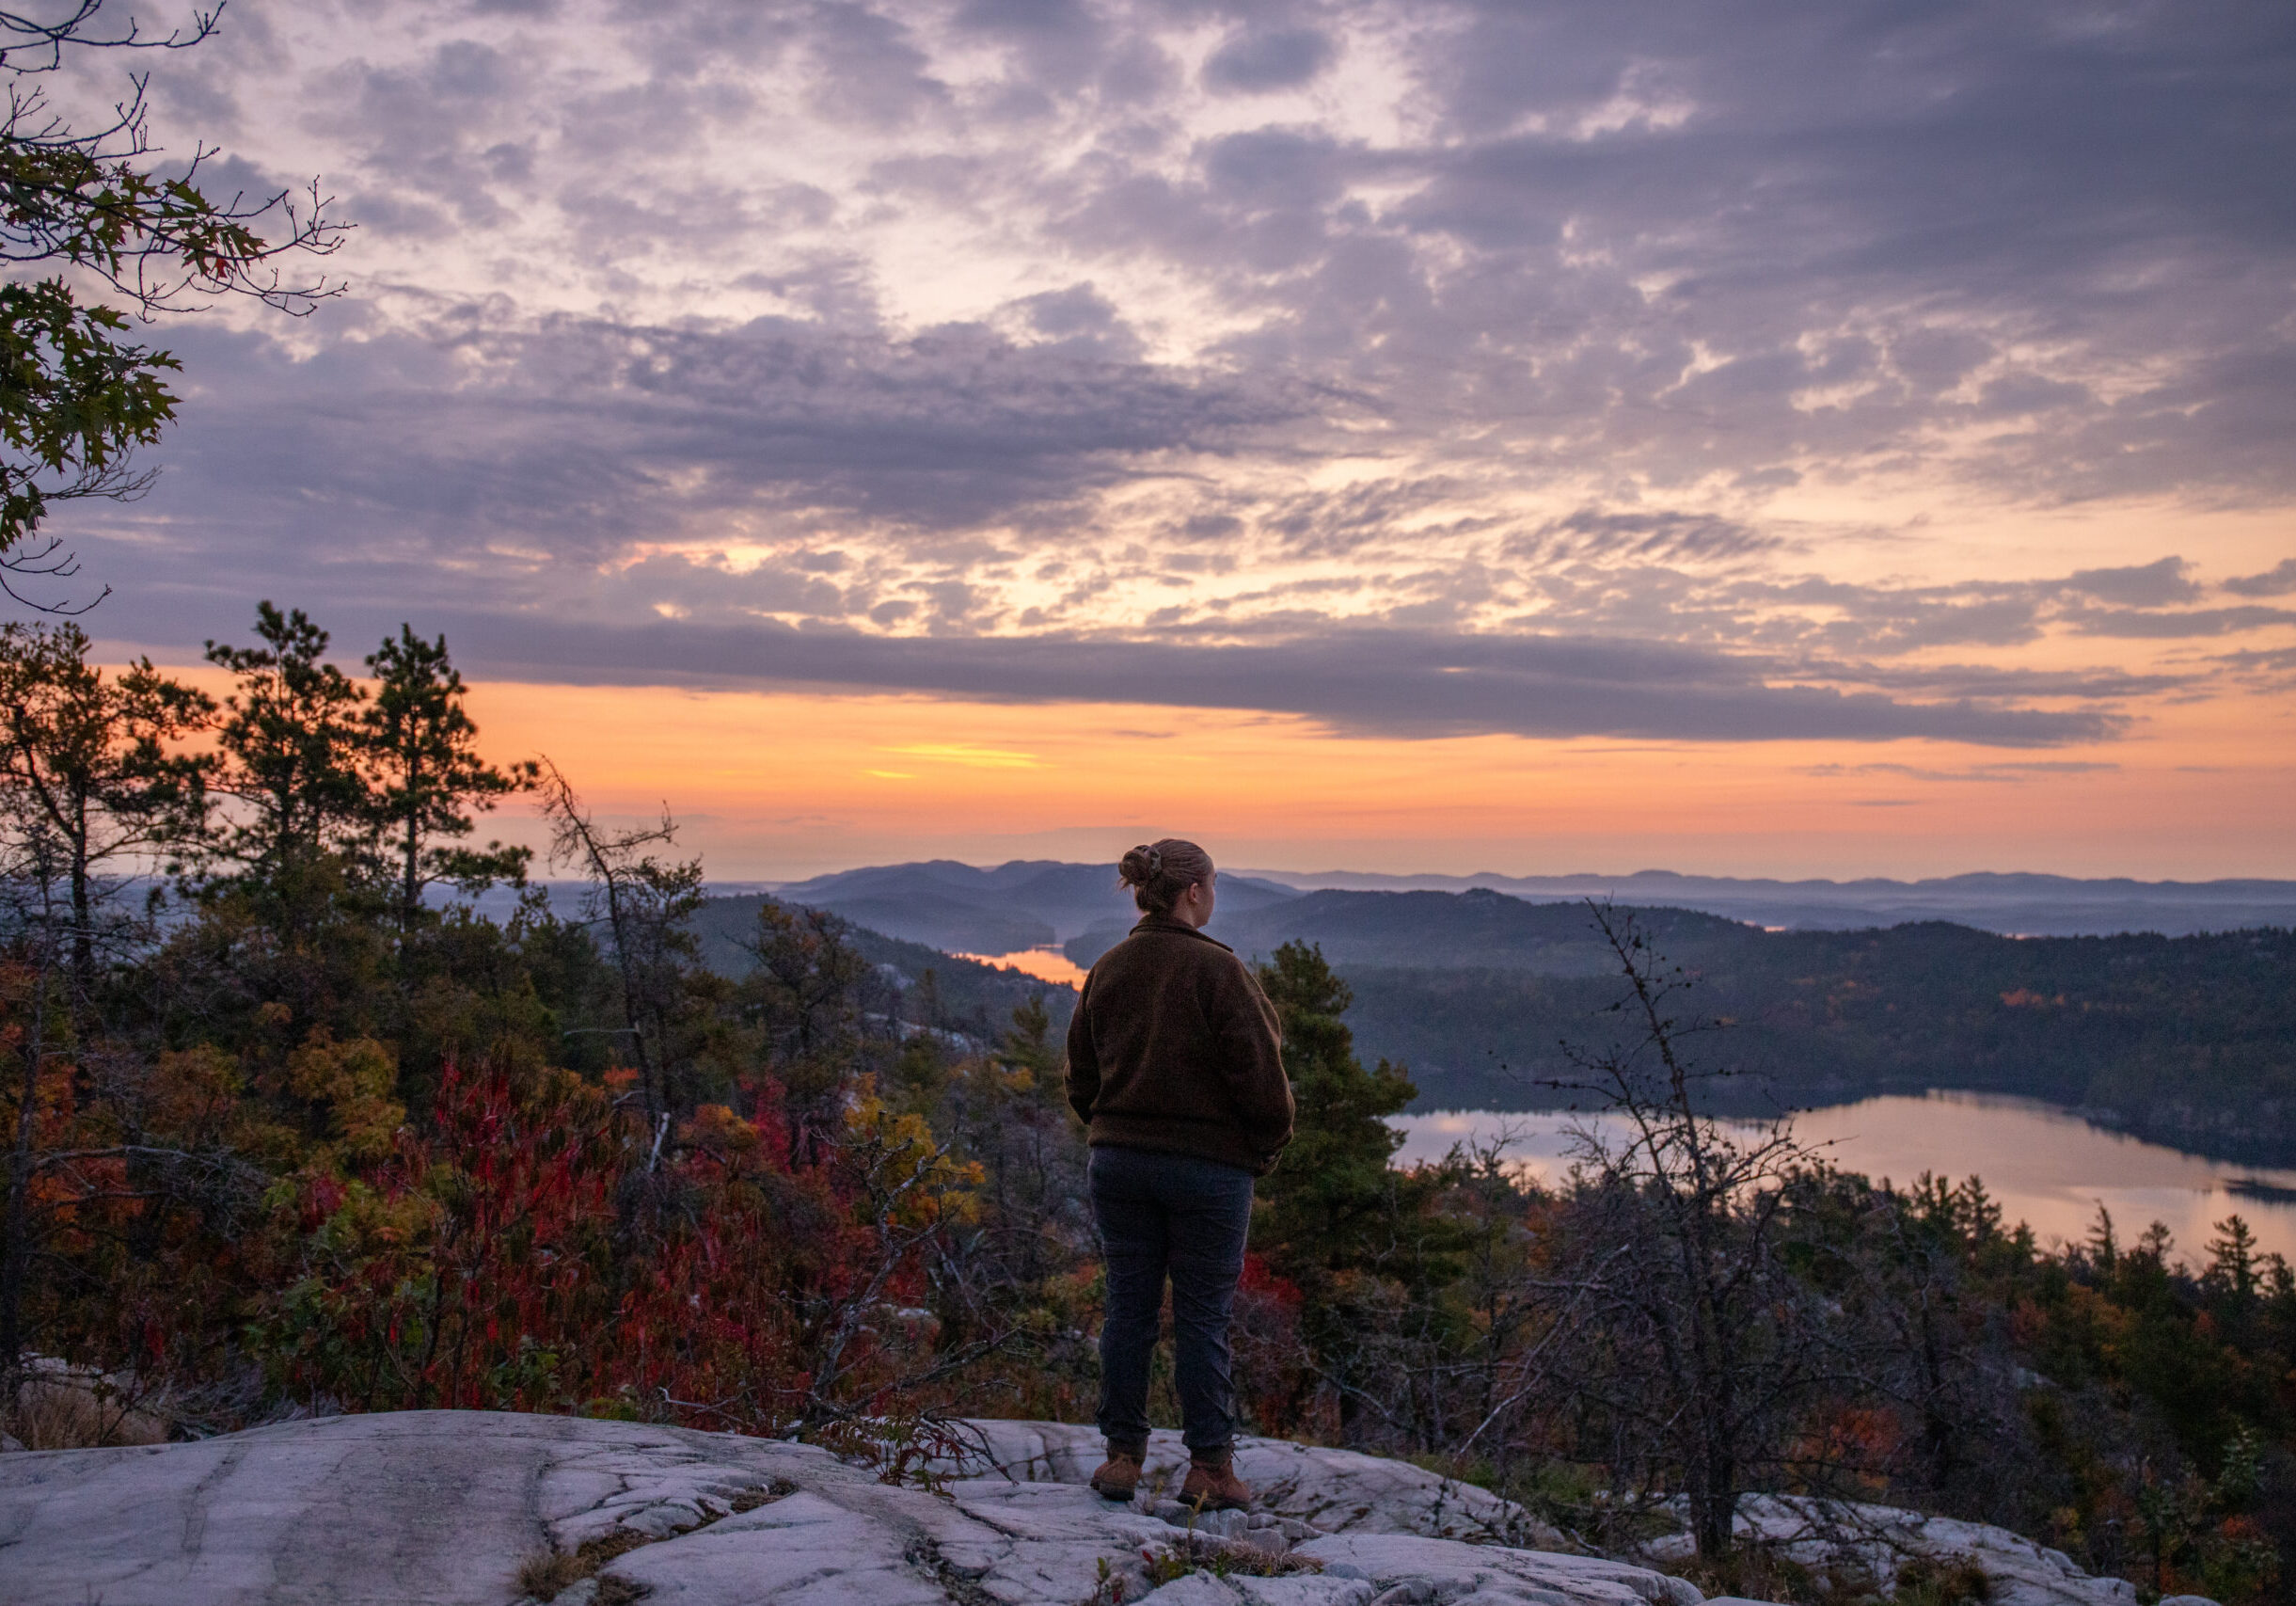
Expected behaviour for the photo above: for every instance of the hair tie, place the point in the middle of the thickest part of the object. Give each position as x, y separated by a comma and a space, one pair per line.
1154, 857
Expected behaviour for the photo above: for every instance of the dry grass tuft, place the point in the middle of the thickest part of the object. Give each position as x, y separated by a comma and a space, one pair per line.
1222, 1558
750, 1500
59, 1407
545, 1576
1763, 1572
1927, 1582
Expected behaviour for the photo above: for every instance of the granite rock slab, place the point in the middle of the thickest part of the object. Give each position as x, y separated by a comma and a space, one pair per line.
1333, 1492
1878, 1540
443, 1508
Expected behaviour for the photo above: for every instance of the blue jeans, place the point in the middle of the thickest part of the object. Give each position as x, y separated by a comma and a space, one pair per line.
1172, 1214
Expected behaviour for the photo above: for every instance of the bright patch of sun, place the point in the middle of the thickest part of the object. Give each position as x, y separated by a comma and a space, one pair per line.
970, 756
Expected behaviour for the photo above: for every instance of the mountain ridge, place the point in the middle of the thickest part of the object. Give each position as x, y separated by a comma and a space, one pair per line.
2187, 1039
1026, 904
2008, 902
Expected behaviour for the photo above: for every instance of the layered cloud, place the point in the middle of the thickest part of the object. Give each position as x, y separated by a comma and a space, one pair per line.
1420, 368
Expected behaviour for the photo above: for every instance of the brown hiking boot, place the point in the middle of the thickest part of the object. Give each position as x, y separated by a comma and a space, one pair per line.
1212, 1484
1119, 1475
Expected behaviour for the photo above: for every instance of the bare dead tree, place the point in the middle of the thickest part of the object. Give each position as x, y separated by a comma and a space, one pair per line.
1700, 1343
644, 903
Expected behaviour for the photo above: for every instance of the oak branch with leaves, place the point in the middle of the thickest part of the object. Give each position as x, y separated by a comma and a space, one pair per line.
98, 234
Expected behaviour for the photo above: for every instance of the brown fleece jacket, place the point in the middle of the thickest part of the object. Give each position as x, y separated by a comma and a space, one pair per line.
1174, 1048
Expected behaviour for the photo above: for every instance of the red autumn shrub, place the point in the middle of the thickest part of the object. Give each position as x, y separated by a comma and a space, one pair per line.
533, 1249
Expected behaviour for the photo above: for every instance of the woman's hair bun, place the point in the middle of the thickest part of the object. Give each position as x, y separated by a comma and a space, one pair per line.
1159, 872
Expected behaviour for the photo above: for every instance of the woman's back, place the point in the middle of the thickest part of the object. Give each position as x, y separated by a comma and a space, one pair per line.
1175, 1049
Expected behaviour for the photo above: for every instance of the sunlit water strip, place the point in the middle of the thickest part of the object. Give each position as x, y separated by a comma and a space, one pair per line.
2046, 1168
1045, 965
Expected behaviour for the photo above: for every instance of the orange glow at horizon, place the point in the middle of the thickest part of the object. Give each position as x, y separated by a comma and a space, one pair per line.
782, 785
779, 784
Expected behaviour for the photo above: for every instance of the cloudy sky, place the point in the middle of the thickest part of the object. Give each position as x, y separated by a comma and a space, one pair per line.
1752, 435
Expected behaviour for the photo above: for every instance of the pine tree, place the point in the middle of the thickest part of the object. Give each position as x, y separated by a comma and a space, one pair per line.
292, 740
1360, 1240
1028, 1049
429, 778
88, 760
1334, 1182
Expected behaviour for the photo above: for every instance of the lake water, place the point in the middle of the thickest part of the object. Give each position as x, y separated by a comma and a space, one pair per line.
1045, 965
2048, 1169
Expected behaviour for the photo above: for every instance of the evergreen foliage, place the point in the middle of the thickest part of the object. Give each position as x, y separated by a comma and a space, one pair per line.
1356, 1239
1320, 1210
428, 776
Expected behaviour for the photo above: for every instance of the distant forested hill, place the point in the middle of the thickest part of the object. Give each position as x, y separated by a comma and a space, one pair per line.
2013, 904
2188, 1040
974, 999
1435, 930
1027, 903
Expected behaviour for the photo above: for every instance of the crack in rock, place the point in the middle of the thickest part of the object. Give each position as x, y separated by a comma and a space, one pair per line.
956, 1584
557, 1576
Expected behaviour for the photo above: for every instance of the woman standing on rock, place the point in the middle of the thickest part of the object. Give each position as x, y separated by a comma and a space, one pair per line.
1176, 1065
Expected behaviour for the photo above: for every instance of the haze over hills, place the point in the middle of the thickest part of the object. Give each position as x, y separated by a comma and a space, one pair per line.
1027, 903
2185, 1035
1476, 930
1037, 904
2013, 904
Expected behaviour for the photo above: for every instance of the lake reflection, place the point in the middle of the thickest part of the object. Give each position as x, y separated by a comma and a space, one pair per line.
1045, 965
2048, 1169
